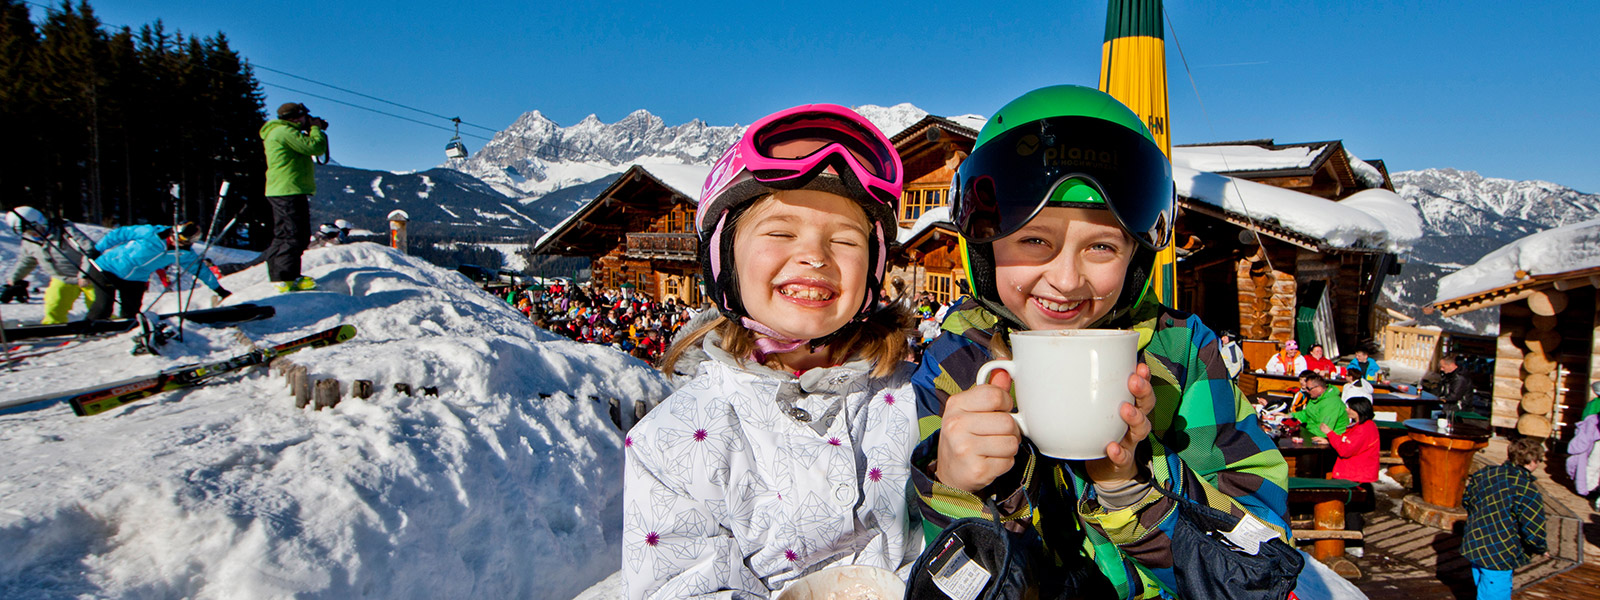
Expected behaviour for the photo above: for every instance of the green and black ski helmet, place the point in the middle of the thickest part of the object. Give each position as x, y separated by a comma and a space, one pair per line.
1063, 145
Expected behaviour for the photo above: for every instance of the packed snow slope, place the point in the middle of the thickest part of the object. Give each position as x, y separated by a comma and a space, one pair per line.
505, 485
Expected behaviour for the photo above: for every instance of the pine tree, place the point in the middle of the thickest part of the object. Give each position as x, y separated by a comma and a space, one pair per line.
19, 107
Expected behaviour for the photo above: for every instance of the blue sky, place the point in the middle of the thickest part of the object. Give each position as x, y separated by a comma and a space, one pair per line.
1508, 89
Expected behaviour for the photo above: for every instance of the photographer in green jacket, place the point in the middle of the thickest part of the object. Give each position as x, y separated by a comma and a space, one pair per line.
292, 141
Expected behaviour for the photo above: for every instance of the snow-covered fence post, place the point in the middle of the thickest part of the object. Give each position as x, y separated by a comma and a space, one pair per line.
397, 230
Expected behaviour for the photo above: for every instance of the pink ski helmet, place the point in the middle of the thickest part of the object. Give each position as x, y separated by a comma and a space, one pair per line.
822, 147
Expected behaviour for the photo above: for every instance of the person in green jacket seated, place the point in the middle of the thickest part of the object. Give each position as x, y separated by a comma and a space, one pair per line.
1325, 408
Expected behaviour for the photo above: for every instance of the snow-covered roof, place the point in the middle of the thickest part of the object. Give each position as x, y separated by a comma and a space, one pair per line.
684, 179
1402, 220
928, 219
1363, 224
559, 227
973, 122
1563, 249
1244, 157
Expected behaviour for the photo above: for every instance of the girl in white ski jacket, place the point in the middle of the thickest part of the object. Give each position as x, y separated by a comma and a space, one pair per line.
787, 451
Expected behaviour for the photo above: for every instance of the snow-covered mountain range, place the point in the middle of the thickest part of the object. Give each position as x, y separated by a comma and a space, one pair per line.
1465, 216
536, 156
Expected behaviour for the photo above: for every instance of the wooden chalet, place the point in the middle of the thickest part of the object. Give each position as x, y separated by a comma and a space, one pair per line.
931, 150
1271, 283
1547, 353
639, 231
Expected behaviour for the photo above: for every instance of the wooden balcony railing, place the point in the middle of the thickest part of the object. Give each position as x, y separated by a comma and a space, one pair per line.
1414, 347
672, 246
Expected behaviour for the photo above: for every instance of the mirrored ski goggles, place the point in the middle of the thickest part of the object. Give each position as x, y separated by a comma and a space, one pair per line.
792, 146
1004, 184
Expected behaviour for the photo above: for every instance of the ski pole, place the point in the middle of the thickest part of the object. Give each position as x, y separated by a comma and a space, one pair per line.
200, 262
177, 266
222, 198
5, 344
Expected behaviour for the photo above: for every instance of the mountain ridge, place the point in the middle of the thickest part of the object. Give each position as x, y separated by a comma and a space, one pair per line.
1466, 216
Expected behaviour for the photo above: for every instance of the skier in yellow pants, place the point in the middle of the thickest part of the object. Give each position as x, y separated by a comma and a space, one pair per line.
55, 246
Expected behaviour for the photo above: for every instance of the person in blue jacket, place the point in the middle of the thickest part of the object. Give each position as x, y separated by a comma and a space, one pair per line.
128, 255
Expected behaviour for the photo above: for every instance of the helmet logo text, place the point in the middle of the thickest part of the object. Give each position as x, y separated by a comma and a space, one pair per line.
1080, 157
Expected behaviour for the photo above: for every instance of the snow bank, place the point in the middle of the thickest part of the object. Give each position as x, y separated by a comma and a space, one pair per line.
505, 485
1568, 248
1338, 224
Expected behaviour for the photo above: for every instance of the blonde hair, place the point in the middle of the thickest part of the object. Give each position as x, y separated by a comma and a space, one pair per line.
881, 337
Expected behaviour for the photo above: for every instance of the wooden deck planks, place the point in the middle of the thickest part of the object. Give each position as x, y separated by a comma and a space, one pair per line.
1580, 583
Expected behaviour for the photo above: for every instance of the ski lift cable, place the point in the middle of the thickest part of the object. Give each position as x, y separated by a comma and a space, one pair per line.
370, 109
545, 153
1213, 126
371, 97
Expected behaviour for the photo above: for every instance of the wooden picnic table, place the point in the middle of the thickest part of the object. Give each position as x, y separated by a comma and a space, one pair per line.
1405, 405
1307, 458
1445, 458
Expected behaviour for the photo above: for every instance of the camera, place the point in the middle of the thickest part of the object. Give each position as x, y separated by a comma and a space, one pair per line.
314, 121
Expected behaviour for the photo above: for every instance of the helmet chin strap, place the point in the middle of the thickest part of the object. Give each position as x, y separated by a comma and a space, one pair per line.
770, 342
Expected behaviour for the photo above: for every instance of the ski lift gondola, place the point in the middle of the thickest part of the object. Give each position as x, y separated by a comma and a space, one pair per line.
455, 149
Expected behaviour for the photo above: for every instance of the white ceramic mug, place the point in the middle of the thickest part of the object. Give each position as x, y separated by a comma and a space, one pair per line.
852, 582
1069, 386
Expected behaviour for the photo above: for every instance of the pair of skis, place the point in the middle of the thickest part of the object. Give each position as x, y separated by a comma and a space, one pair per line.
98, 399
226, 315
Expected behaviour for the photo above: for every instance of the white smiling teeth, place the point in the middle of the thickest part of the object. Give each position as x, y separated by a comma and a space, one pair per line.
805, 293
1058, 306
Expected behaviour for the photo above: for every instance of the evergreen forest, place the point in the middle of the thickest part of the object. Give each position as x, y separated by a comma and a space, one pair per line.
102, 123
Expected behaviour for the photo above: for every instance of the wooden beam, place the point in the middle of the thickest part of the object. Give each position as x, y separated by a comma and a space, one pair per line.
1484, 302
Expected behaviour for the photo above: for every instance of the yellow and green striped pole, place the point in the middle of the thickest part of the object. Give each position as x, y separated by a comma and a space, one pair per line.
1133, 69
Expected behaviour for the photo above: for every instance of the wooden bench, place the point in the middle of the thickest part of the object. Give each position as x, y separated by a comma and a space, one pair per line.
1329, 500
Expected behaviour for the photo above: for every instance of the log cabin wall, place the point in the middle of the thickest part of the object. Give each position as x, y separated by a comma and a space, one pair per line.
1267, 293
1508, 353
1545, 359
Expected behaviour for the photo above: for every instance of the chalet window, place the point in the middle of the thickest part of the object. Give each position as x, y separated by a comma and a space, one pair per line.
675, 221
919, 201
939, 285
669, 287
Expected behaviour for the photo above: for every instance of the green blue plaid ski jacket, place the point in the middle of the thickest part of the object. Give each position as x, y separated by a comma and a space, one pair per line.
1505, 518
1202, 430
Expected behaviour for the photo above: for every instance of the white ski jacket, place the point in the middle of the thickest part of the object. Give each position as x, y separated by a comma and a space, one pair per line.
746, 479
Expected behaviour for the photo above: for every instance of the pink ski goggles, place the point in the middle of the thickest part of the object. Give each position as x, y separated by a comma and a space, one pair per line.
787, 149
